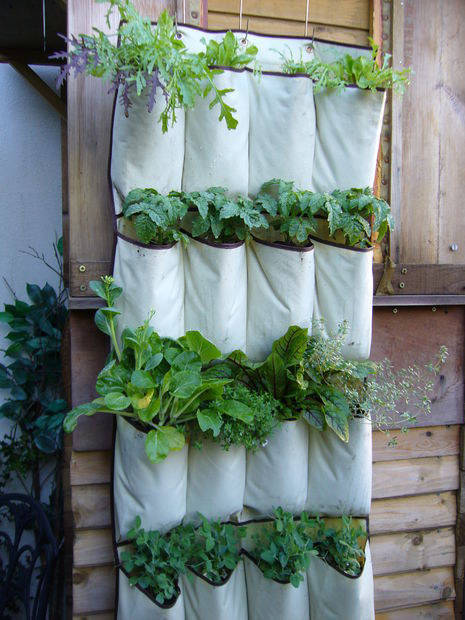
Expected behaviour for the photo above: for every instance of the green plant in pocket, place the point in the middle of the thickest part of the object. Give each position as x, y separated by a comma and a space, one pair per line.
361, 71
156, 218
350, 212
158, 383
283, 549
216, 550
221, 218
292, 211
251, 432
228, 52
141, 58
338, 546
155, 561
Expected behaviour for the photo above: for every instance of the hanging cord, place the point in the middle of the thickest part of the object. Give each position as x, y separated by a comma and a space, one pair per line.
240, 15
306, 17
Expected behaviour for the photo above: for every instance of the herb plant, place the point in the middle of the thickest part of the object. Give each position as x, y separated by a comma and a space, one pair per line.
282, 549
234, 431
361, 71
155, 561
216, 549
156, 382
338, 546
228, 52
149, 59
156, 218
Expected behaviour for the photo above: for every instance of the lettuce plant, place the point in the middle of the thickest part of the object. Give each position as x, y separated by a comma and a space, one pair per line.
227, 52
158, 383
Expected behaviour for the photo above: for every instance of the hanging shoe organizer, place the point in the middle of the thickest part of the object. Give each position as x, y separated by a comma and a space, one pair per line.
244, 296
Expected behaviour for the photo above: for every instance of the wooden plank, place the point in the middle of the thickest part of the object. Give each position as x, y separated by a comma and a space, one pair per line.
269, 25
418, 512
412, 476
435, 611
350, 13
82, 272
408, 589
395, 553
449, 89
93, 589
91, 506
419, 300
93, 548
418, 442
40, 86
411, 279
90, 467
101, 616
414, 336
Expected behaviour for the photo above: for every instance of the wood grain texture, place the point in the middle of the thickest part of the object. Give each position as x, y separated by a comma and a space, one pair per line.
435, 611
414, 336
93, 548
91, 506
406, 589
412, 476
93, 589
418, 442
408, 514
420, 279
395, 553
350, 13
269, 25
90, 467
98, 616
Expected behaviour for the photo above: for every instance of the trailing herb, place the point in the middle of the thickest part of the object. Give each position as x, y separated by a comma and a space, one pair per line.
155, 561
252, 433
156, 218
149, 60
156, 382
216, 550
362, 71
282, 548
338, 546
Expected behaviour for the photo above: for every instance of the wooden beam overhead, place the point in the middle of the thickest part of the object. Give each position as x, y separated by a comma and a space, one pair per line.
41, 87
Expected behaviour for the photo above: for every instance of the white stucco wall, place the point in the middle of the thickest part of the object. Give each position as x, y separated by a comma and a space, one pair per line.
30, 184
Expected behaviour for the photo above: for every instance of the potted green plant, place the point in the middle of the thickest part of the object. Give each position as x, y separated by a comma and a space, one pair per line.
215, 266
340, 579
155, 387
215, 587
275, 568
217, 455
149, 261
280, 270
149, 572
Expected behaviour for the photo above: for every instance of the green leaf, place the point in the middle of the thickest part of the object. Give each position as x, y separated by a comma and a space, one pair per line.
206, 350
338, 422
159, 443
117, 401
71, 418
315, 417
209, 419
184, 383
98, 287
238, 410
291, 347
142, 380
102, 322
34, 293
6, 317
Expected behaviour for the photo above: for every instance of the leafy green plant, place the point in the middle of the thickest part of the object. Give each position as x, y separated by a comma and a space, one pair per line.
155, 561
338, 546
156, 382
34, 402
156, 218
361, 71
221, 218
282, 548
292, 211
228, 52
234, 431
150, 59
216, 550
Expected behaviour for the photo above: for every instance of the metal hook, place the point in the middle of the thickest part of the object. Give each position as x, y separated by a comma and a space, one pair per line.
311, 46
244, 40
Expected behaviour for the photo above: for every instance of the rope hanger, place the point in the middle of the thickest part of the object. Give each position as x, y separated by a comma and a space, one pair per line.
241, 8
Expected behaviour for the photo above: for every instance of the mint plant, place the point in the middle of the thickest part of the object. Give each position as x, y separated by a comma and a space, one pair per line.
156, 382
363, 72
216, 550
141, 58
156, 218
283, 549
155, 561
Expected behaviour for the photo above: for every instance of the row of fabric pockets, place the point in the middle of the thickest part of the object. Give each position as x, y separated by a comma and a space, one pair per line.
320, 142
299, 469
324, 594
245, 296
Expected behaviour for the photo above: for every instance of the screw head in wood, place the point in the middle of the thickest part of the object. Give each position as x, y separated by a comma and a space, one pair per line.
82, 268
401, 284
403, 270
454, 247
433, 309
83, 287
394, 311
194, 15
